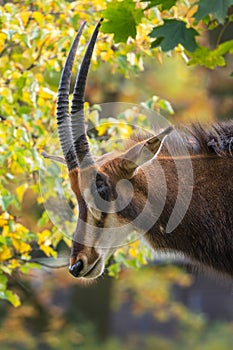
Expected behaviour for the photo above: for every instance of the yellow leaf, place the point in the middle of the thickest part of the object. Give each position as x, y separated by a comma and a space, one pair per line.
5, 253
24, 16
12, 298
106, 55
3, 222
44, 238
38, 16
40, 102
133, 250
48, 251
4, 218
102, 129
46, 93
62, 16
68, 241
191, 12
5, 230
14, 264
125, 130
3, 37
20, 229
16, 74
159, 57
24, 247
27, 97
20, 192
39, 77
40, 200
44, 242
21, 246
5, 92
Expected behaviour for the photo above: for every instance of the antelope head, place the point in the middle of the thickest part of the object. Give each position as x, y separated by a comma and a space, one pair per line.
102, 186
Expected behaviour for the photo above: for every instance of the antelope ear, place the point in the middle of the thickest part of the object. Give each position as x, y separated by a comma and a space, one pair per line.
142, 152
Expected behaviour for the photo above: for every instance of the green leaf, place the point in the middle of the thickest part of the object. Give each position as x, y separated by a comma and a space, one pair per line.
12, 298
205, 57
3, 282
155, 102
121, 19
165, 5
218, 8
114, 270
172, 33
43, 219
211, 58
6, 294
226, 47
166, 106
120, 257
7, 241
6, 200
29, 266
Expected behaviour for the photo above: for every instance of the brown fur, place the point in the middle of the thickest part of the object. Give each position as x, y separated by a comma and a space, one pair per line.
73, 174
205, 233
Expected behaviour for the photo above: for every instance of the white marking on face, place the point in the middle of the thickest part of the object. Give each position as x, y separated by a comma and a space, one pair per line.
87, 195
89, 199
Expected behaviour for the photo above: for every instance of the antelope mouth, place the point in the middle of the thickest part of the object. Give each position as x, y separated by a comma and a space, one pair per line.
94, 271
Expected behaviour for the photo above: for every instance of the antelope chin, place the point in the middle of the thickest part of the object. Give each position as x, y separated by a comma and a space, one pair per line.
95, 271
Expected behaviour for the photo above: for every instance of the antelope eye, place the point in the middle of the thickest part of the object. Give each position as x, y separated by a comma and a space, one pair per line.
101, 187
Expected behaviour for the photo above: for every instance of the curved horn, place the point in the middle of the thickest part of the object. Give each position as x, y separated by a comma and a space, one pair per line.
63, 118
81, 145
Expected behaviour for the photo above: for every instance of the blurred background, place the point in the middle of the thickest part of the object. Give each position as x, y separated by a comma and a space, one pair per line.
160, 303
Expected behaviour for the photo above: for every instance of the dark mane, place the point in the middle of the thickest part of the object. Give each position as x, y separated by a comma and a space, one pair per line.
216, 139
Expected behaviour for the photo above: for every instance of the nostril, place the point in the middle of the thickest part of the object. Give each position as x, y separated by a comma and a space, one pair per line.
76, 268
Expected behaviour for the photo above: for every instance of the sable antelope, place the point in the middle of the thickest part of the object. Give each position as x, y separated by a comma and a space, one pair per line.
148, 170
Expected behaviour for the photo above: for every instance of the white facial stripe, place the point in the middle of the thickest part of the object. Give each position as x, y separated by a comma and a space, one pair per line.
89, 199
96, 213
88, 196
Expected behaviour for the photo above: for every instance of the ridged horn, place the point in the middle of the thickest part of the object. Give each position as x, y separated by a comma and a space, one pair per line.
63, 117
81, 145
